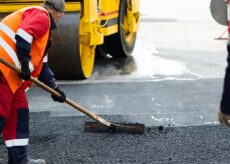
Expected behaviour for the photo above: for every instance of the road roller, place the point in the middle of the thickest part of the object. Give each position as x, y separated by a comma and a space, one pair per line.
88, 29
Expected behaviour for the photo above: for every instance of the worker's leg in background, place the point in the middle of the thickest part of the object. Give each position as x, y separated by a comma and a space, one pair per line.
6, 96
16, 129
225, 103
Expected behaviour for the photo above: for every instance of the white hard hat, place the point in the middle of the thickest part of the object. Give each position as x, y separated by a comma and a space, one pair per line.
58, 5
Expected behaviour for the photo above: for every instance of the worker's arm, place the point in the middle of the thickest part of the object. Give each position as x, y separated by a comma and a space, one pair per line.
47, 77
23, 50
34, 24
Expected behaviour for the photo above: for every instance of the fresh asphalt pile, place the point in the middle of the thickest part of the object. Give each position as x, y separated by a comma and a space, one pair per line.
61, 140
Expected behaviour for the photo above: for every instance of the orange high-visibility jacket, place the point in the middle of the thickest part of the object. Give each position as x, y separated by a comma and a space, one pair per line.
8, 29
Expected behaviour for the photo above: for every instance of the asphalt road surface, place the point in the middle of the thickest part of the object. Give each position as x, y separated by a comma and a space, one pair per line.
174, 80
188, 135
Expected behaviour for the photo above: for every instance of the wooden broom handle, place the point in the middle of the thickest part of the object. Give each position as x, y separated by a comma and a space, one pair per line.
52, 91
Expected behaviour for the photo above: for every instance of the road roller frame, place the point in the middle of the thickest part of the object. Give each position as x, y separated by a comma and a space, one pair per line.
105, 27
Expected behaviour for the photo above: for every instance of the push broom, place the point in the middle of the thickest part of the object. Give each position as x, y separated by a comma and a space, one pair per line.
101, 125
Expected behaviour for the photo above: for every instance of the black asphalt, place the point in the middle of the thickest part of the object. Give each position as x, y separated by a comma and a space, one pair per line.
61, 139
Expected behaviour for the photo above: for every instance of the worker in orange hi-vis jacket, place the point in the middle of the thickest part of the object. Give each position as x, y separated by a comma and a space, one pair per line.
25, 38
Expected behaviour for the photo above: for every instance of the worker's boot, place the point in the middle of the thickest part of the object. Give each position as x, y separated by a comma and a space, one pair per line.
35, 161
18, 155
224, 119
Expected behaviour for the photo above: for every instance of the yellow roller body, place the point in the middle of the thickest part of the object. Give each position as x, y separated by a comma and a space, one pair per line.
120, 36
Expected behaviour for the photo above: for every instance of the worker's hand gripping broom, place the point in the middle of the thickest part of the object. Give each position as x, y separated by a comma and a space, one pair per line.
102, 126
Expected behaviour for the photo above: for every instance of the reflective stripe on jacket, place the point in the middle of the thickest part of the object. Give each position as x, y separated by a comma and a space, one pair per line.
8, 30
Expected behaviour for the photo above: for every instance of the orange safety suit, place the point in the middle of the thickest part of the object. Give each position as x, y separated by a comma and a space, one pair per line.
8, 30
14, 112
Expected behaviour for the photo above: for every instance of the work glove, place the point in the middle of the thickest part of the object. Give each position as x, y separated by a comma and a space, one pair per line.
224, 119
61, 98
25, 71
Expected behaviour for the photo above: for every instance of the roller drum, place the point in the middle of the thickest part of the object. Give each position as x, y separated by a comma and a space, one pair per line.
64, 56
